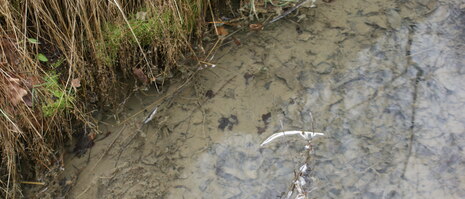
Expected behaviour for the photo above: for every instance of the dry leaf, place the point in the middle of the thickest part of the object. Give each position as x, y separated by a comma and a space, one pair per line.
16, 93
76, 83
256, 26
91, 136
222, 31
140, 75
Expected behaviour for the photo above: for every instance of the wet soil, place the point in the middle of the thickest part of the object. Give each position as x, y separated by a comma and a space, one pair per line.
384, 80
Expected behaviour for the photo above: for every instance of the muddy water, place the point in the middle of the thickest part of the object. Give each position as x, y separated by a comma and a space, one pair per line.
383, 80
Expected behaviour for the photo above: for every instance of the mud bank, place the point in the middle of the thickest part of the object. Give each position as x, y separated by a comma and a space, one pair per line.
383, 80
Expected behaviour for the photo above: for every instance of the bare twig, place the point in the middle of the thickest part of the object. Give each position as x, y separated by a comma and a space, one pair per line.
297, 187
150, 117
307, 135
32, 183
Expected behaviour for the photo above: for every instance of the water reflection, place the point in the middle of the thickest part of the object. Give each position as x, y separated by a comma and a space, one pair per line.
389, 101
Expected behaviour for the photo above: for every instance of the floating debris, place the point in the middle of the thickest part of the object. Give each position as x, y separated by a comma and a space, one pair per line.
298, 184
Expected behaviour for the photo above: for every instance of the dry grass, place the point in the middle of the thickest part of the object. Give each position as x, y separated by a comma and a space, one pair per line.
61, 59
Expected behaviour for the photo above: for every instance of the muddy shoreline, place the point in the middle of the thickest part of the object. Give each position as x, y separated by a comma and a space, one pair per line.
382, 79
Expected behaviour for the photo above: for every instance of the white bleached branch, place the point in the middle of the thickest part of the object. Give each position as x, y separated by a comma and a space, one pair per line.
307, 135
150, 117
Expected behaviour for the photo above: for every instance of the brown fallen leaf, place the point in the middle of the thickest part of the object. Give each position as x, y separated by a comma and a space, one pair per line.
222, 31
76, 83
16, 93
91, 136
256, 26
140, 75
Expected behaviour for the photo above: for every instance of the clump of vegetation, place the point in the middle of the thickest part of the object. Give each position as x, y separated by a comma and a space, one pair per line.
60, 99
60, 60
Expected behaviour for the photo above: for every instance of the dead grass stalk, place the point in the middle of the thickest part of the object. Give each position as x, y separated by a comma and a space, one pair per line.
62, 59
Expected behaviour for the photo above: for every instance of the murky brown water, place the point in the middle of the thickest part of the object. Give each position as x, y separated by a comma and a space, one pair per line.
383, 79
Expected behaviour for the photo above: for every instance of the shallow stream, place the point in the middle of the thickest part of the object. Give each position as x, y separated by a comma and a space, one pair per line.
384, 80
